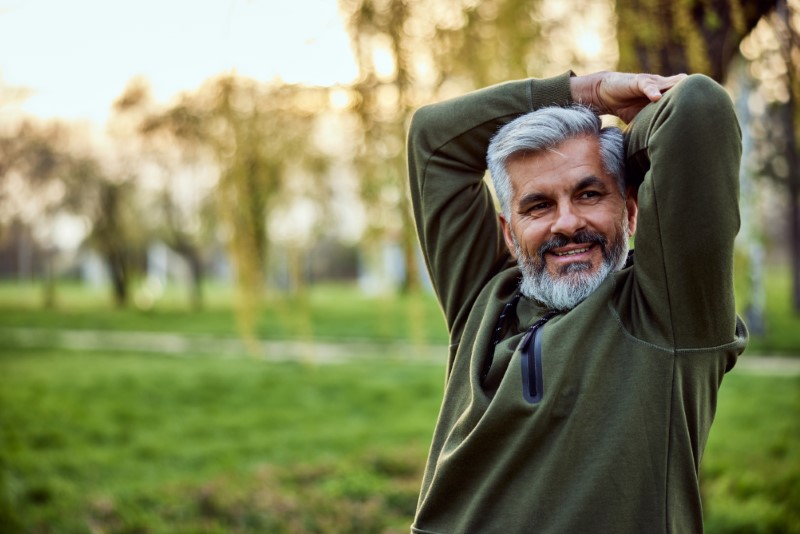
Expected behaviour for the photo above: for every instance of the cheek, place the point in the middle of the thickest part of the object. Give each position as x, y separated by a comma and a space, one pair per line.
531, 238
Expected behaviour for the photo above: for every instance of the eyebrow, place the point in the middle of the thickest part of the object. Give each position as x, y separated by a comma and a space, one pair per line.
585, 183
591, 181
529, 199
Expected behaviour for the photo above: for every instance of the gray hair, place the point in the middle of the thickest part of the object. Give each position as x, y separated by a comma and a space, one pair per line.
545, 129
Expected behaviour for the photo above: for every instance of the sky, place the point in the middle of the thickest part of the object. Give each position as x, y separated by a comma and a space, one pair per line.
76, 56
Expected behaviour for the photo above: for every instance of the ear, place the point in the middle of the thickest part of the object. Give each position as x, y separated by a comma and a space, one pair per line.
507, 235
632, 204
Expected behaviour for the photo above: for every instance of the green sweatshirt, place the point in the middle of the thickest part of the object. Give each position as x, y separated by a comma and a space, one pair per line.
628, 378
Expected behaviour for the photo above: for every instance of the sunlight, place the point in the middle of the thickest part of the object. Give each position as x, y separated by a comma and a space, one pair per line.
590, 45
383, 61
340, 98
76, 57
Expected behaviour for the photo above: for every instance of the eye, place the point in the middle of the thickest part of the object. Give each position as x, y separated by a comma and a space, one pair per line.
536, 208
589, 194
539, 206
534, 205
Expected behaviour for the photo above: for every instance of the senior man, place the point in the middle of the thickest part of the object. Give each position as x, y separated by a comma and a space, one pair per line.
582, 381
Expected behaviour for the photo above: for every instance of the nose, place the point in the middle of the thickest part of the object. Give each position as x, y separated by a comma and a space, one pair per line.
568, 220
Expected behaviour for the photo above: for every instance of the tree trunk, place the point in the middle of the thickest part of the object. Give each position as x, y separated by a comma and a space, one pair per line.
787, 120
186, 250
119, 277
296, 268
411, 283
788, 112
49, 279
196, 281
668, 36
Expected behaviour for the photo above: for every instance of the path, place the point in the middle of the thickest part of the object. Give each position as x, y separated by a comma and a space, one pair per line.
317, 351
184, 345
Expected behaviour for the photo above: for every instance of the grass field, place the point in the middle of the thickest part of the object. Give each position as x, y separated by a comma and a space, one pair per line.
327, 313
140, 443
101, 441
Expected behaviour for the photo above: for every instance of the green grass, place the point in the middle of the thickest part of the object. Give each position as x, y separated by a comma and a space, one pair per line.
156, 444
751, 466
142, 443
326, 312
127, 442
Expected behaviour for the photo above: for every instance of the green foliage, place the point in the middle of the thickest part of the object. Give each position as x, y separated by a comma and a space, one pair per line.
751, 467
261, 137
684, 35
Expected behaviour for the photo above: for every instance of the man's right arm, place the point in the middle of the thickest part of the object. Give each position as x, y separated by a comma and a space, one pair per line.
455, 214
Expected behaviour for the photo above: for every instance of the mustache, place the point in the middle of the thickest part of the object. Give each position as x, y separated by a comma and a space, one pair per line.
579, 237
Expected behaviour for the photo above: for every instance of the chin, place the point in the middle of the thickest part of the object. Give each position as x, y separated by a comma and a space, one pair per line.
583, 267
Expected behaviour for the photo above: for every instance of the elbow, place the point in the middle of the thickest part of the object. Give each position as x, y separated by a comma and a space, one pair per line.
419, 129
701, 96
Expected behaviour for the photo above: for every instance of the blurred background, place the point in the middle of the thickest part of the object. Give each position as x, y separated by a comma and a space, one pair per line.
214, 316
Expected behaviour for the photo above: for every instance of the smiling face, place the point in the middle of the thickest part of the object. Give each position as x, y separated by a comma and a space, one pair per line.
568, 224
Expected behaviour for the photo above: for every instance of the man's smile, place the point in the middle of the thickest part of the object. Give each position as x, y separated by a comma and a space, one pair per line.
577, 252
572, 252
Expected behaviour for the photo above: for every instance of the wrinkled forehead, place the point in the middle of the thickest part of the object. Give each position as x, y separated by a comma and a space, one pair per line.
565, 164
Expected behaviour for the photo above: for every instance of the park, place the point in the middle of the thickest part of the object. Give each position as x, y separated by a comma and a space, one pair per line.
214, 313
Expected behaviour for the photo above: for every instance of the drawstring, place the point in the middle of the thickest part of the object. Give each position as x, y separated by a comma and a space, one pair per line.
509, 307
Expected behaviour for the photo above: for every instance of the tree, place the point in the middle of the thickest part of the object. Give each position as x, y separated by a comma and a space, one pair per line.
53, 176
108, 200
773, 54
182, 217
383, 105
31, 190
260, 137
687, 36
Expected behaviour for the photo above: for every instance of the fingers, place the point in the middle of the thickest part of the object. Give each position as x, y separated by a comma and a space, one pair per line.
621, 94
653, 86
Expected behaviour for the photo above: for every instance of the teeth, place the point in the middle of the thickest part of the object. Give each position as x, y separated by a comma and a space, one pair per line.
572, 252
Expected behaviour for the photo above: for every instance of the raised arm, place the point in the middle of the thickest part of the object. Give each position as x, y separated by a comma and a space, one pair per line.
455, 214
686, 148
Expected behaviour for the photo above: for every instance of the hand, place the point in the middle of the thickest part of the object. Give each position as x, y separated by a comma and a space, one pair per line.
620, 94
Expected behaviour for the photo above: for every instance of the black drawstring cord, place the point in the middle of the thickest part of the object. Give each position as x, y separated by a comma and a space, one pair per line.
509, 306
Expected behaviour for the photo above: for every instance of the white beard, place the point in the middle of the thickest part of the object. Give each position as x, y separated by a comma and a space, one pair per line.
568, 289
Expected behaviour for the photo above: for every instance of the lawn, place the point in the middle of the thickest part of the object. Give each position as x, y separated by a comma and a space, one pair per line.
751, 466
331, 312
142, 443
111, 441
97, 442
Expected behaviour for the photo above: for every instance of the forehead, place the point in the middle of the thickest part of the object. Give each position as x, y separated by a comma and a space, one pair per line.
557, 169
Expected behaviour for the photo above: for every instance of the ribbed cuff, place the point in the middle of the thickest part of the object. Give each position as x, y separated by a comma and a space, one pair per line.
551, 91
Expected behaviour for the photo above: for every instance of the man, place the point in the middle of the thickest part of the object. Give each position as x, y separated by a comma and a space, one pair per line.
582, 381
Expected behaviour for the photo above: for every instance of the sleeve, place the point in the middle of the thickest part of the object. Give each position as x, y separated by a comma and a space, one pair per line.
686, 148
455, 214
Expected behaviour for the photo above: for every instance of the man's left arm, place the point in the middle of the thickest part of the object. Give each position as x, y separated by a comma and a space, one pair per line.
687, 149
